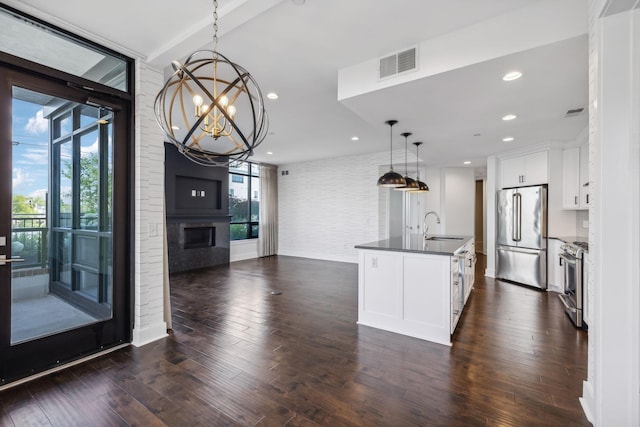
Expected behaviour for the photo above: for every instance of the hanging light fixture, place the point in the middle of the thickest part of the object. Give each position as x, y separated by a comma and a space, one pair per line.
391, 178
422, 187
410, 185
212, 109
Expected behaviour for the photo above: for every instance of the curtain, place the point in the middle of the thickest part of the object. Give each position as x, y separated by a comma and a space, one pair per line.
268, 229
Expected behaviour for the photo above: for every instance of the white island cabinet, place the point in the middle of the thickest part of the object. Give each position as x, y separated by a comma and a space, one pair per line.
415, 287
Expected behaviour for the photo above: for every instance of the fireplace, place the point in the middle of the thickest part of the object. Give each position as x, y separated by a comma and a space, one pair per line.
199, 237
198, 218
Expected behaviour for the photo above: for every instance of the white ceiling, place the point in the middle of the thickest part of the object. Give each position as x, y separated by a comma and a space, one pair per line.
297, 52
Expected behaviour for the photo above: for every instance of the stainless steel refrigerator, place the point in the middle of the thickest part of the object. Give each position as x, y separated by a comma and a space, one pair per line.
521, 241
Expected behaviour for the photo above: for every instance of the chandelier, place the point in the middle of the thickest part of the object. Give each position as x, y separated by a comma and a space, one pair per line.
212, 109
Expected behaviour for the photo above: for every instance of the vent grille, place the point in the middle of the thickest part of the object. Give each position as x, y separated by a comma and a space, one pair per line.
388, 66
398, 63
575, 112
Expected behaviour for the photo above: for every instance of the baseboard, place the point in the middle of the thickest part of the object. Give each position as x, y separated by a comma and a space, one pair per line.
587, 401
320, 256
142, 336
490, 272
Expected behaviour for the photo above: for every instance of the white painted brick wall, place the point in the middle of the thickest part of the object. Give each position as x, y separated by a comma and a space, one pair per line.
149, 323
327, 206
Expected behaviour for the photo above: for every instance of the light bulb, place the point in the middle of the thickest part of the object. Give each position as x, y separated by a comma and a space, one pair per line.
197, 101
224, 101
231, 110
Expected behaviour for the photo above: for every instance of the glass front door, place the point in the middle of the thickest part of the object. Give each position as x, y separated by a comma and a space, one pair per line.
60, 297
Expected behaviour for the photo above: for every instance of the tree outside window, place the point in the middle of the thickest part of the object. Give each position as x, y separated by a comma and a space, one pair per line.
244, 200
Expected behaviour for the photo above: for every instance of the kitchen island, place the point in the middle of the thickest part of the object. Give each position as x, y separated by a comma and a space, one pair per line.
415, 287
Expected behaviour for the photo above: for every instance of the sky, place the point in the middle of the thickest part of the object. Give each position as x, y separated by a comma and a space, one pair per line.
30, 148
30, 130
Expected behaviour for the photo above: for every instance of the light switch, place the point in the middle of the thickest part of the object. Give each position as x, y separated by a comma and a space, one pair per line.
374, 262
3, 241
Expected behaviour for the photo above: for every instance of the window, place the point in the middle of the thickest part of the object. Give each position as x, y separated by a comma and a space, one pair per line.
244, 199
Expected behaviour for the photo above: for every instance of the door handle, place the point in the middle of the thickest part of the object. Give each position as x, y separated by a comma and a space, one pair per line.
4, 260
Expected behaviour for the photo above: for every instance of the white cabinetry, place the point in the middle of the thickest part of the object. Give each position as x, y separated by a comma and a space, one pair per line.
575, 177
421, 295
456, 292
571, 178
584, 176
555, 271
531, 169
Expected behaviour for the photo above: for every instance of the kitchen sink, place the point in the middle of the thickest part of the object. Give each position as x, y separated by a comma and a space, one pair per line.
445, 238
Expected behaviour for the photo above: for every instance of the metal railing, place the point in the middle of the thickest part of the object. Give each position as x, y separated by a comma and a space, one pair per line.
29, 240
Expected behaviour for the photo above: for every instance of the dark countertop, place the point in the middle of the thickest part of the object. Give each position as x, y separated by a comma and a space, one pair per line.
571, 239
415, 243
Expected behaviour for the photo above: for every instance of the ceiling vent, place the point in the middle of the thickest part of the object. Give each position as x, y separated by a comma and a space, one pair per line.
574, 113
398, 63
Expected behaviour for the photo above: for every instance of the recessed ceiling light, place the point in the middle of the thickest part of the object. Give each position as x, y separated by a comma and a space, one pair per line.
509, 117
508, 139
467, 162
513, 75
355, 138
270, 153
272, 95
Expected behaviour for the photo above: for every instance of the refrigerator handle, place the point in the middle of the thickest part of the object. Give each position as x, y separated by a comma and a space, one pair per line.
514, 217
518, 216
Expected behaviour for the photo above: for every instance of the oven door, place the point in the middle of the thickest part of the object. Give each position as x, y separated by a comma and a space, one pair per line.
569, 263
572, 297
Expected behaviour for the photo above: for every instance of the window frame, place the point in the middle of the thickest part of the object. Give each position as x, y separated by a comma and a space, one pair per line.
249, 175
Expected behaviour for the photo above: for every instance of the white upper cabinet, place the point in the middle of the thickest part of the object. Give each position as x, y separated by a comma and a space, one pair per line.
584, 176
571, 178
575, 177
532, 169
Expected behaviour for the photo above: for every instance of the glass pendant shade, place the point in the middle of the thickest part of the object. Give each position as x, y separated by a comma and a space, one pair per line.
391, 179
422, 187
410, 183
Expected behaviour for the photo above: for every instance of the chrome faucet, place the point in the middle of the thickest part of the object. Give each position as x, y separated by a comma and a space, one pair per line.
424, 222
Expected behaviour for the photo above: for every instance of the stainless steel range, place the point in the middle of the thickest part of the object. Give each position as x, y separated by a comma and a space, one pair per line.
571, 258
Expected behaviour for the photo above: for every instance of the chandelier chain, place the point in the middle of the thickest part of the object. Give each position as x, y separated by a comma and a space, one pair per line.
215, 25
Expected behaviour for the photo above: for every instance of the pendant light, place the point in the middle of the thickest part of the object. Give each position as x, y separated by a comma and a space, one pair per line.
422, 187
391, 179
410, 185
212, 109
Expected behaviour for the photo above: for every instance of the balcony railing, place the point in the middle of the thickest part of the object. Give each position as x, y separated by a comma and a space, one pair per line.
29, 240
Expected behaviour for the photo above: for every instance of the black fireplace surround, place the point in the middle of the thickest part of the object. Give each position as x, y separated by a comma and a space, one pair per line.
197, 213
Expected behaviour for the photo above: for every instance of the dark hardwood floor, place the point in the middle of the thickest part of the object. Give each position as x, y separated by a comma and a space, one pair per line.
241, 356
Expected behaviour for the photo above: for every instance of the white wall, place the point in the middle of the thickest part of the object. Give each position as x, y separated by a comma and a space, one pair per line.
452, 196
243, 249
611, 395
458, 197
326, 207
149, 323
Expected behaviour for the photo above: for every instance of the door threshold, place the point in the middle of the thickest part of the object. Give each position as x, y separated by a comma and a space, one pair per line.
61, 367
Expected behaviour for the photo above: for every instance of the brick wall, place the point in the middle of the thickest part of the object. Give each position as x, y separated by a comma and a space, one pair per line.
149, 323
